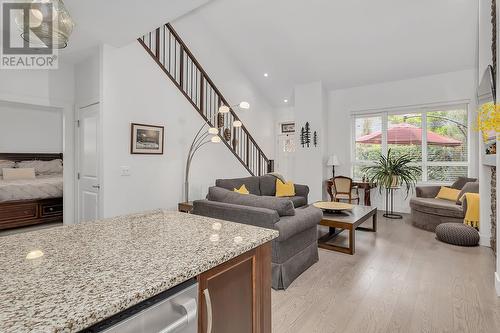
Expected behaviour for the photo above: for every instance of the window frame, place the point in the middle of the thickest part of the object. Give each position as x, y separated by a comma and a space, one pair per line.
423, 111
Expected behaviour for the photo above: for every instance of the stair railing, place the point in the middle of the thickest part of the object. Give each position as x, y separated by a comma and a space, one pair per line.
173, 56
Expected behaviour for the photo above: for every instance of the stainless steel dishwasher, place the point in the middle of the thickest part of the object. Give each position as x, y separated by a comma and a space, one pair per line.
173, 311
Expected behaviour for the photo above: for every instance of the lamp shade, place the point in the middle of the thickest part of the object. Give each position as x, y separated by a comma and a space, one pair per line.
237, 123
213, 130
244, 105
333, 160
215, 139
224, 109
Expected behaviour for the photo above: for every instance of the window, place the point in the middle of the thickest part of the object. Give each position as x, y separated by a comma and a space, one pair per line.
436, 139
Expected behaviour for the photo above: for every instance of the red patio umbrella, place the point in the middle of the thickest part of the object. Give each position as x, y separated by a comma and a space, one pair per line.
405, 134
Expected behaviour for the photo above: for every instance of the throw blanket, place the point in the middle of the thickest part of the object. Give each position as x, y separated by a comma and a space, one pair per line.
472, 213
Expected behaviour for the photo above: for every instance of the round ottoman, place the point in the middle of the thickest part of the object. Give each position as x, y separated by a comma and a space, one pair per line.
457, 234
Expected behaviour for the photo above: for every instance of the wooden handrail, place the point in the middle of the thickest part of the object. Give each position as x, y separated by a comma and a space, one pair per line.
200, 68
195, 84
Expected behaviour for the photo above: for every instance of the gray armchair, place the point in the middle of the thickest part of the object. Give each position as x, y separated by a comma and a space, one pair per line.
427, 212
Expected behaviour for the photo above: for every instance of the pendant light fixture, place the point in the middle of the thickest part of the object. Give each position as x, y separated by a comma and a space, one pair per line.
50, 24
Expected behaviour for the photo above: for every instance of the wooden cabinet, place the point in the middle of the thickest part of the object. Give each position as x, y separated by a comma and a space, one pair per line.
15, 214
236, 296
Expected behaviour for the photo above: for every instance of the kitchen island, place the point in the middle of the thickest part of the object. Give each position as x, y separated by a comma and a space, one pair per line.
68, 278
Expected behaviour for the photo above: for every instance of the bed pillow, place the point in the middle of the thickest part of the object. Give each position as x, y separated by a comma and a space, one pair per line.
18, 173
6, 164
43, 167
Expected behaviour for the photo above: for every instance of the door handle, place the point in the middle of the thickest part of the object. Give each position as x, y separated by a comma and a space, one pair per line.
96, 186
189, 307
208, 303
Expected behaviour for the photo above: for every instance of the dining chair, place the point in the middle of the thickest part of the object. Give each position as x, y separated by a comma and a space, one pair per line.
344, 190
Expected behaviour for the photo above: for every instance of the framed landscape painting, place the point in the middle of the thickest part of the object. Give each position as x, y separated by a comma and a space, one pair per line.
147, 139
288, 127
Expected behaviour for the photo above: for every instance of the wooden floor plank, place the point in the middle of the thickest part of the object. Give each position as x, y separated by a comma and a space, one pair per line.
401, 279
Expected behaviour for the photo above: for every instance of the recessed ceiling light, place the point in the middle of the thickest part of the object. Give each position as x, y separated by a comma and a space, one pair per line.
285, 100
266, 74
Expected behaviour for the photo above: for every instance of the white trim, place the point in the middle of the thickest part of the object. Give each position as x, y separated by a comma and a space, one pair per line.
426, 107
484, 239
425, 161
497, 283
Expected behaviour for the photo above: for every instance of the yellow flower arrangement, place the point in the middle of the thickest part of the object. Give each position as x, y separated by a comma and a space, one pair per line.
488, 120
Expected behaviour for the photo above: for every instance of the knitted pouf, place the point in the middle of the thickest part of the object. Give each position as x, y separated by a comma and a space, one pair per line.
457, 234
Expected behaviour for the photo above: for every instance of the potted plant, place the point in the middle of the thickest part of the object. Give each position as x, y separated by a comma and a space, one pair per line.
393, 171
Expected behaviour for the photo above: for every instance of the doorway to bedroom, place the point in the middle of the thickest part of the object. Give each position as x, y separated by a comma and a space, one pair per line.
31, 167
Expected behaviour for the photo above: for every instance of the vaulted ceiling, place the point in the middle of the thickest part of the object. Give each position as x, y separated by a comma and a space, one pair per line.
344, 43
118, 22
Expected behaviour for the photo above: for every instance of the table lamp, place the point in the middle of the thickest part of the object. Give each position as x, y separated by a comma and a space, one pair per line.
333, 161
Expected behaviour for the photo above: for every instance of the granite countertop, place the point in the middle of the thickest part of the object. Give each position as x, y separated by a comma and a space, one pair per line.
91, 271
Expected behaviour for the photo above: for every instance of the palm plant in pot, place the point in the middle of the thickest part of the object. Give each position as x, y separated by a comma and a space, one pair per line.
393, 171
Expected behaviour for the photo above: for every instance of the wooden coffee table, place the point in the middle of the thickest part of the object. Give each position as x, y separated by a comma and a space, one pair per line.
347, 220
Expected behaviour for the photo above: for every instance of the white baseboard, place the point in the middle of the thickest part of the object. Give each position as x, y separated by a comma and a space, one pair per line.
485, 240
497, 283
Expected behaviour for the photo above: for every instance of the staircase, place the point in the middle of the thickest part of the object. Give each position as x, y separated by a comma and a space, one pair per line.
172, 55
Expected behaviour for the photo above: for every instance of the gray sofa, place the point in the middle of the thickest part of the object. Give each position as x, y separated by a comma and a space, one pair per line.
427, 212
296, 248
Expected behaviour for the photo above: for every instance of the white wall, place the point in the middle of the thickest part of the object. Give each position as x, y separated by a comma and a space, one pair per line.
87, 80
310, 106
48, 89
437, 89
25, 129
136, 90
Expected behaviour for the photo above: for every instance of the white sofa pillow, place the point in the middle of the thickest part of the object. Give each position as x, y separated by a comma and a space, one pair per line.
6, 164
17, 173
43, 167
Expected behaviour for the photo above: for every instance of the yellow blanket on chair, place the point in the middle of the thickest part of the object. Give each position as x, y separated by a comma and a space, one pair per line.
472, 213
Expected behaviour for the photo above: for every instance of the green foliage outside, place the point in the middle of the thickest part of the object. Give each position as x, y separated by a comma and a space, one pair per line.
450, 124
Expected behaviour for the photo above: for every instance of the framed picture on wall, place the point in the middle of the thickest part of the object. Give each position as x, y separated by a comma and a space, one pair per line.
288, 127
147, 139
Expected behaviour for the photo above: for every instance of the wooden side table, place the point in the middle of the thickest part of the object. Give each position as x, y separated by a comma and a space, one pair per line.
185, 207
366, 186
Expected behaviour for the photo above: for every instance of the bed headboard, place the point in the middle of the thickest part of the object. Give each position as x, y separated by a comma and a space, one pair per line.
18, 157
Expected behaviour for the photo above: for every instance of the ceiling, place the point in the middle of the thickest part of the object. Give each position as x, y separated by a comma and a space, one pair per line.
344, 43
118, 22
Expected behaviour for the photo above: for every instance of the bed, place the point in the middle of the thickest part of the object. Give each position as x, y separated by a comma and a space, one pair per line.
27, 202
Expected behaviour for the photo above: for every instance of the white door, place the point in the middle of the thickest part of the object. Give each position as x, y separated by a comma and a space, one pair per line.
286, 155
88, 163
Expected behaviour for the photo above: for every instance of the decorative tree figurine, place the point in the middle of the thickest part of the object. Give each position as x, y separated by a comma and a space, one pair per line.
303, 137
307, 134
315, 138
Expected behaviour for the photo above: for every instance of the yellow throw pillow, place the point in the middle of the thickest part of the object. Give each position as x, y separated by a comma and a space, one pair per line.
284, 189
447, 193
242, 190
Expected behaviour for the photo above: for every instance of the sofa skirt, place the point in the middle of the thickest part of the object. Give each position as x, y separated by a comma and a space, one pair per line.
429, 222
284, 274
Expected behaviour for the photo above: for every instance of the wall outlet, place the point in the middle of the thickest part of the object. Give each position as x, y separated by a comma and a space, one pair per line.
125, 170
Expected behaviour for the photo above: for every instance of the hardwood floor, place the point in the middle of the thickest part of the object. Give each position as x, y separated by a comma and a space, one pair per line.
401, 279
